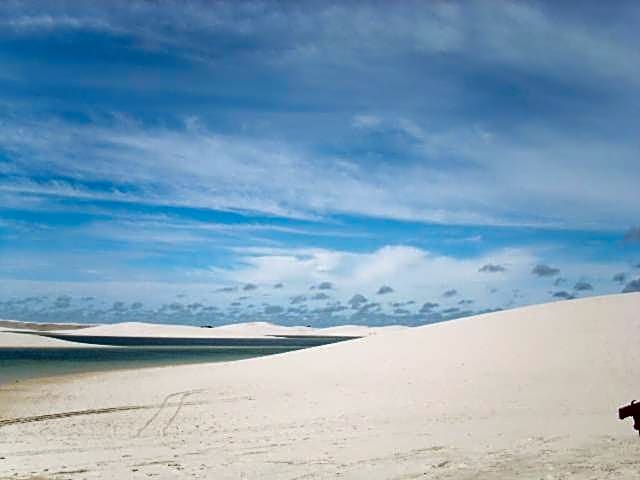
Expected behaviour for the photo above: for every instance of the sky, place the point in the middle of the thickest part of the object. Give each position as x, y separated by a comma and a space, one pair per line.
315, 163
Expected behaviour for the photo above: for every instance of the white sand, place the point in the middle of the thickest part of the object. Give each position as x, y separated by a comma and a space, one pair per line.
139, 329
237, 330
529, 393
358, 330
240, 330
25, 340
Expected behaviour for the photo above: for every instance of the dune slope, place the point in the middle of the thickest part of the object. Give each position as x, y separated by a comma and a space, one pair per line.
24, 340
527, 393
236, 330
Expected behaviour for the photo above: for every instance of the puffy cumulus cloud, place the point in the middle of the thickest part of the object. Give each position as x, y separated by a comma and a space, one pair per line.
297, 299
370, 306
542, 270
582, 286
403, 304
414, 273
632, 286
491, 268
273, 309
278, 286
450, 293
632, 235
330, 309
119, 306
249, 287
320, 296
99, 310
357, 301
384, 289
226, 289
296, 268
63, 301
619, 277
325, 286
563, 295
428, 307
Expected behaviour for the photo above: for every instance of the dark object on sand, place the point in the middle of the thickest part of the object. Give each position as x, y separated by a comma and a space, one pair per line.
631, 410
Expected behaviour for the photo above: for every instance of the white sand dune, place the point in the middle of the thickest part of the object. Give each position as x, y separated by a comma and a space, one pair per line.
140, 329
530, 393
358, 330
237, 330
25, 340
259, 329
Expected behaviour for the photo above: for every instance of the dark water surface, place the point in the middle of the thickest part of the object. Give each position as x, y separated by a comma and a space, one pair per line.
22, 363
283, 341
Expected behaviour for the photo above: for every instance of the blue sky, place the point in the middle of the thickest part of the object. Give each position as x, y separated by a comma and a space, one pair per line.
314, 162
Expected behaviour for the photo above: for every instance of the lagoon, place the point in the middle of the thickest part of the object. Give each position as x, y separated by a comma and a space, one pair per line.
22, 363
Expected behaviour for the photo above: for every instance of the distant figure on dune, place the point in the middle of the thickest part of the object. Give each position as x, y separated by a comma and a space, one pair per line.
631, 410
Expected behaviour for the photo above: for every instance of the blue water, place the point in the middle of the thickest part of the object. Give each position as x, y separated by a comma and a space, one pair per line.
291, 341
22, 363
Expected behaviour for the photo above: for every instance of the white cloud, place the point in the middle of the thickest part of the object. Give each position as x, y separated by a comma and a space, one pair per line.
50, 22
414, 273
526, 35
453, 172
545, 178
366, 121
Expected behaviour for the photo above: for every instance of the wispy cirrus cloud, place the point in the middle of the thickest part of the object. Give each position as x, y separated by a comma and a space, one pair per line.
219, 145
201, 169
221, 168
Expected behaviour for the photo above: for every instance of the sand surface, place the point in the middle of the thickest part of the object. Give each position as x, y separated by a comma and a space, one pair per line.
24, 340
8, 337
530, 393
238, 330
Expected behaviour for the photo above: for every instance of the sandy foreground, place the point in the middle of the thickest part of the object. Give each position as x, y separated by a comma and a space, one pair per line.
530, 393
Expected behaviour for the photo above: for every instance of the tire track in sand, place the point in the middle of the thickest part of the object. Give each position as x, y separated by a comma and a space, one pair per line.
93, 411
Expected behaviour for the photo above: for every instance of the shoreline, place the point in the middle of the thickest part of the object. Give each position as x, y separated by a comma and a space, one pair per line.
58, 378
25, 363
27, 353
